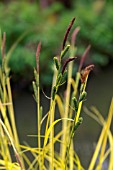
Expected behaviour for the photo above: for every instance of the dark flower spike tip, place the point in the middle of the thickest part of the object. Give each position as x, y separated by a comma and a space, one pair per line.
3, 44
66, 62
67, 32
37, 56
84, 57
85, 72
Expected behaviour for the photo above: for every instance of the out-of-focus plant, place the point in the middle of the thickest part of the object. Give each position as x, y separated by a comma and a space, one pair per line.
94, 18
26, 28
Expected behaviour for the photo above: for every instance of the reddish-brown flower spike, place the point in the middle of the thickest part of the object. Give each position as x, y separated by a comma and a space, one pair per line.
67, 32
3, 45
66, 62
74, 34
85, 72
37, 56
84, 57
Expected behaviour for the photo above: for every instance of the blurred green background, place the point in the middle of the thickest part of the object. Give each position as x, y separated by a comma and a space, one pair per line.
28, 22
46, 21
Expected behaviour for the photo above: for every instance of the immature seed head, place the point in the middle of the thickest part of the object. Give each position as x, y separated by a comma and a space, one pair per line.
67, 32
64, 51
66, 62
83, 96
37, 56
85, 72
75, 102
84, 57
74, 35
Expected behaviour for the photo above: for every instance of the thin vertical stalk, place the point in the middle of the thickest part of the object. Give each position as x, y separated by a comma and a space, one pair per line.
38, 99
80, 104
5, 153
52, 112
68, 93
39, 119
108, 123
12, 118
73, 126
68, 90
11, 114
6, 121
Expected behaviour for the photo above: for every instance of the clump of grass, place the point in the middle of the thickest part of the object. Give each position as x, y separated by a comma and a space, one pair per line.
45, 156
8, 131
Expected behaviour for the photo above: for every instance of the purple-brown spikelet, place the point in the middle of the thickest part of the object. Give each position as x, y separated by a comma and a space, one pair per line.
74, 34
3, 44
85, 72
84, 57
37, 56
66, 62
67, 32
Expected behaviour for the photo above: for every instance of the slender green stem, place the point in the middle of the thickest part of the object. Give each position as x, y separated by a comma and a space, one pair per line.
39, 119
68, 91
52, 133
52, 110
76, 118
12, 118
11, 114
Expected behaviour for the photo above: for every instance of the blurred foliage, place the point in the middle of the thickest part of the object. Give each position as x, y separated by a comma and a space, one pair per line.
49, 25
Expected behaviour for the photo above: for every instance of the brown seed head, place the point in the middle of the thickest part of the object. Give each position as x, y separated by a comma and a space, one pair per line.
84, 57
74, 35
66, 62
85, 72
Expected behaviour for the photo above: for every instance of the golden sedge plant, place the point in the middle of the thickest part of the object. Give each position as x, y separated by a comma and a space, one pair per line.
44, 154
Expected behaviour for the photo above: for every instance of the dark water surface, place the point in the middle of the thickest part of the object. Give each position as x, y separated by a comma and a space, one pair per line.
100, 92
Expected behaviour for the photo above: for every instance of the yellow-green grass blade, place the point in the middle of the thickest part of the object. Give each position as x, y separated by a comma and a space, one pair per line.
77, 161
6, 121
50, 128
60, 105
71, 158
101, 138
12, 143
11, 166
